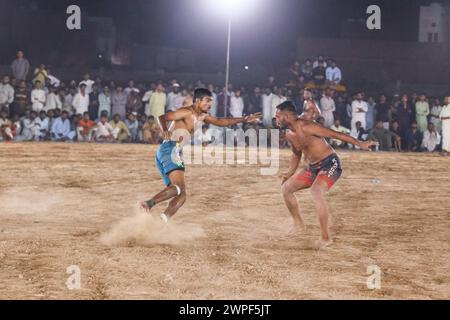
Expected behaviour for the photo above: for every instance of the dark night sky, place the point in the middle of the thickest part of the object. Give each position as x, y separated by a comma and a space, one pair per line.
194, 24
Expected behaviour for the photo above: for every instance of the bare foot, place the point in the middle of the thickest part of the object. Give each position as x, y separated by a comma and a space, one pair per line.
145, 206
297, 228
320, 244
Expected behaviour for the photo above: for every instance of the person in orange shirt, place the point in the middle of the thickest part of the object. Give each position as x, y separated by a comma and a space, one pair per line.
86, 128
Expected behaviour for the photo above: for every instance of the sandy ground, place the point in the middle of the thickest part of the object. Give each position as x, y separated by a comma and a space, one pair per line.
74, 204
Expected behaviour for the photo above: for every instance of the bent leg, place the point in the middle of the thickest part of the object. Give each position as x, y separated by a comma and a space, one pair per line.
318, 191
292, 185
176, 188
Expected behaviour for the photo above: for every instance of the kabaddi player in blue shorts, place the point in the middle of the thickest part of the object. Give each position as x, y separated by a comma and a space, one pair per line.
169, 159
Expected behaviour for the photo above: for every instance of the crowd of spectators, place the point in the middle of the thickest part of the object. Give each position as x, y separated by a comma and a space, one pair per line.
36, 105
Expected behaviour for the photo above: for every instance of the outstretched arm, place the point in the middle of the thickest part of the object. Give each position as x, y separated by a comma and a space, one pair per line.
315, 129
225, 122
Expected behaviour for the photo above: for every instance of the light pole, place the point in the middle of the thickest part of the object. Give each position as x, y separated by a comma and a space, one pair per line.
227, 72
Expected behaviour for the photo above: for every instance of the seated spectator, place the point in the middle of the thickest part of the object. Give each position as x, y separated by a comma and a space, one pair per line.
7, 128
319, 61
30, 130
21, 100
86, 129
104, 130
397, 143
61, 128
382, 111
133, 125
337, 127
120, 130
431, 138
359, 132
152, 132
383, 136
414, 138
43, 128
142, 119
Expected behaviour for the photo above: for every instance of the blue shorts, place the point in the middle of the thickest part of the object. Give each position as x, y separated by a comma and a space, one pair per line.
169, 157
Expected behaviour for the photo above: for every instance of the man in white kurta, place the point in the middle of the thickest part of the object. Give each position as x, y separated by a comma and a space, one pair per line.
359, 110
236, 105
80, 102
445, 118
431, 138
327, 106
38, 97
267, 98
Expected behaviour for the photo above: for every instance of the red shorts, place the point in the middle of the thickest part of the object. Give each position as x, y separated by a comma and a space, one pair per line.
328, 170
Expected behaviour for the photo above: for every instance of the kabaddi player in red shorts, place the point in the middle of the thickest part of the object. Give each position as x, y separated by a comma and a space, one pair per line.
324, 169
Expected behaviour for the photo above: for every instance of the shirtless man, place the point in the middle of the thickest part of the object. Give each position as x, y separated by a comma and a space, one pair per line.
169, 156
310, 109
323, 170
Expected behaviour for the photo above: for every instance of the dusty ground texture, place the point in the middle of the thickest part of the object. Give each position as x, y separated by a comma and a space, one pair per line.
75, 204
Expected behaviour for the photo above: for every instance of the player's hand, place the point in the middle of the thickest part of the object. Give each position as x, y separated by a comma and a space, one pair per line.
167, 135
367, 144
284, 177
253, 117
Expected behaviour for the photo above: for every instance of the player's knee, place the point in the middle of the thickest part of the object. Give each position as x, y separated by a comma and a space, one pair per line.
180, 189
317, 191
286, 189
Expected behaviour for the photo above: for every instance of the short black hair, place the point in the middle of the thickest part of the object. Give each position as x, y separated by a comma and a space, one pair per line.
200, 93
287, 106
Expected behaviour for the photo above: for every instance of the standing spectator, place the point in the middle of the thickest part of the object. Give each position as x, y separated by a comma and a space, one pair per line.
213, 110
158, 102
431, 139
130, 87
370, 115
445, 118
404, 118
38, 97
422, 112
61, 128
104, 100
21, 100
172, 97
68, 99
341, 112
382, 111
119, 102
254, 101
133, 126
359, 109
435, 113
327, 106
53, 81
52, 101
120, 130
146, 101
80, 102
318, 74
88, 83
333, 74
86, 128
307, 69
40, 74
320, 61
134, 102
414, 138
94, 102
20, 67
6, 93
236, 105
277, 99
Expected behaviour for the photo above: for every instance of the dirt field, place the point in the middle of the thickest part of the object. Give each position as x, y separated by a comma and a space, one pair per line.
74, 204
